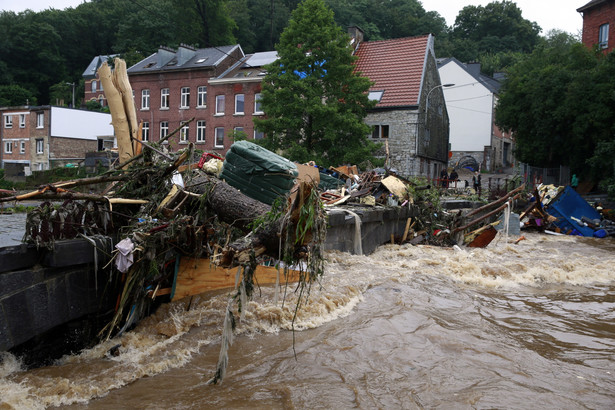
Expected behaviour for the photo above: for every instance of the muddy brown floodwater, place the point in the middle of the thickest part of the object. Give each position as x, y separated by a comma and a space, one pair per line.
530, 325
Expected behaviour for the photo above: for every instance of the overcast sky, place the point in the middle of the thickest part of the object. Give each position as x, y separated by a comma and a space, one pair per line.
549, 14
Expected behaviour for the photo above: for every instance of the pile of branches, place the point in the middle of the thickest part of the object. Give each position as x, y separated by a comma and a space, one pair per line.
168, 207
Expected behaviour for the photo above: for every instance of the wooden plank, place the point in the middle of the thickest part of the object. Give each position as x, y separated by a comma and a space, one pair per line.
195, 276
403, 239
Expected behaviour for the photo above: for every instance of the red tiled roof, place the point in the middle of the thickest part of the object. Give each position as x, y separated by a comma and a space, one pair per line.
396, 67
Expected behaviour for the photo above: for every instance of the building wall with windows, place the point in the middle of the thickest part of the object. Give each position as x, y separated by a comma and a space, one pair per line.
93, 87
598, 24
35, 138
15, 142
172, 91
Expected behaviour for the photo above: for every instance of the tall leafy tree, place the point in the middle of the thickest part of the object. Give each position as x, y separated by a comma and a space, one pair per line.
496, 27
215, 24
560, 104
314, 101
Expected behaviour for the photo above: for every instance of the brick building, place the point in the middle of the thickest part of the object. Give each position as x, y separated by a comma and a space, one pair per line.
172, 87
218, 89
598, 16
93, 87
43, 137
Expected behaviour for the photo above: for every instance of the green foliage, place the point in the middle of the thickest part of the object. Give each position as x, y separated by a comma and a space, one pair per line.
93, 105
559, 102
494, 28
315, 103
12, 95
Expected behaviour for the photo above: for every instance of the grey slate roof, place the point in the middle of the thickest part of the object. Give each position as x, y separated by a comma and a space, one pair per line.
184, 58
490, 83
96, 62
250, 66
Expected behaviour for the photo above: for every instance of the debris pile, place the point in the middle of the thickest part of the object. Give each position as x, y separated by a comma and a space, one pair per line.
561, 209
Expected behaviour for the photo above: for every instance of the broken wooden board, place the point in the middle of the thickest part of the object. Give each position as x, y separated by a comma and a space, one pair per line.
195, 276
484, 238
395, 186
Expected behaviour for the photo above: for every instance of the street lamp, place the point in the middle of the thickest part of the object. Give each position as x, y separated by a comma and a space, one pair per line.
429, 93
73, 84
427, 136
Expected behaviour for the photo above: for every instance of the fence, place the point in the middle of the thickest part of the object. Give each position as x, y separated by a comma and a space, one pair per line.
534, 176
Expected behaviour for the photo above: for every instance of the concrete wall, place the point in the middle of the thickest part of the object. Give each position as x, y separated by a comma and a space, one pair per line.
42, 289
377, 226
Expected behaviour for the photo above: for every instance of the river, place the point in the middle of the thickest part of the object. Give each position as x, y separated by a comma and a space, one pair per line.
511, 326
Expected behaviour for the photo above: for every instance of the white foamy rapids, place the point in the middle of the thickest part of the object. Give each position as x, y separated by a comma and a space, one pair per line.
536, 261
177, 332
166, 340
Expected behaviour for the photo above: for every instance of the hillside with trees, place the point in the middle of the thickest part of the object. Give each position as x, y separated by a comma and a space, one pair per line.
42, 51
557, 95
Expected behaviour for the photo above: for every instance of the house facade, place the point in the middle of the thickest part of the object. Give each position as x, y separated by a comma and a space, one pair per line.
43, 137
410, 118
471, 102
93, 87
173, 90
598, 17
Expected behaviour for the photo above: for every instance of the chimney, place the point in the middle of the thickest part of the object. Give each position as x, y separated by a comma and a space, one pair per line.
164, 55
185, 53
474, 68
356, 36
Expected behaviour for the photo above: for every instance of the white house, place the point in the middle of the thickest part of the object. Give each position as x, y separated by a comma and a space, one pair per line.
471, 101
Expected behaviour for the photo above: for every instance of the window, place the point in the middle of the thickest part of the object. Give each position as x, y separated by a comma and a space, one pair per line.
22, 147
185, 97
40, 120
603, 36
219, 142
257, 104
101, 101
101, 88
201, 97
40, 146
380, 131
219, 104
238, 134
164, 129
93, 86
8, 121
183, 133
145, 131
200, 131
8, 147
258, 135
239, 103
22, 120
145, 99
164, 99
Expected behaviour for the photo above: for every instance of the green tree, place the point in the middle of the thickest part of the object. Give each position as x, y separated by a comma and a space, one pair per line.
314, 101
211, 20
496, 27
12, 95
560, 104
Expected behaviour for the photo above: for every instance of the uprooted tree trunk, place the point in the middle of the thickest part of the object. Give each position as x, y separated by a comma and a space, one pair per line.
241, 212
